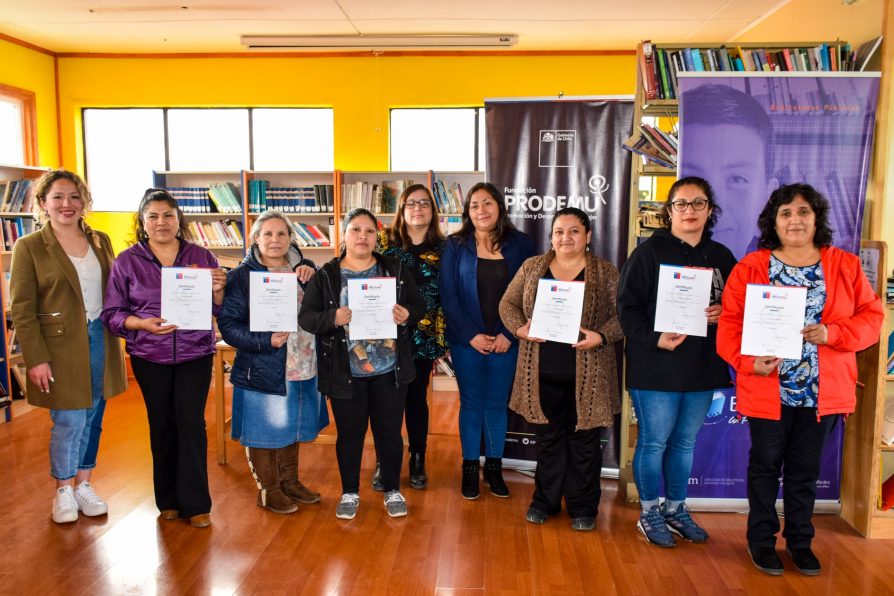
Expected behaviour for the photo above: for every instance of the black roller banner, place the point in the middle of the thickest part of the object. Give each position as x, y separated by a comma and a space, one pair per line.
549, 154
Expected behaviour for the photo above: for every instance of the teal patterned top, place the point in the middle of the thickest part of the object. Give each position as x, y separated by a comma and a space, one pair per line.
424, 260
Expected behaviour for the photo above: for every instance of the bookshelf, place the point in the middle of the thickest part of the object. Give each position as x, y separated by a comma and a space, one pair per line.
213, 207
864, 451
16, 219
308, 200
655, 179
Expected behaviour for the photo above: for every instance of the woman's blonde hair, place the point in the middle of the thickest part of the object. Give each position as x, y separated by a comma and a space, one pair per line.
41, 188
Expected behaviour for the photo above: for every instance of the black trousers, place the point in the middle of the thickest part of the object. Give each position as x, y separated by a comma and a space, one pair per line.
378, 403
791, 446
417, 407
175, 396
569, 462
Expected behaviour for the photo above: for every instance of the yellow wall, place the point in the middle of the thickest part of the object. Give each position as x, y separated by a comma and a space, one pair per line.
31, 70
360, 90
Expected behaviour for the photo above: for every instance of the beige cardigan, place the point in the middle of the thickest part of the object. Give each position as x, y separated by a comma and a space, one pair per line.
597, 395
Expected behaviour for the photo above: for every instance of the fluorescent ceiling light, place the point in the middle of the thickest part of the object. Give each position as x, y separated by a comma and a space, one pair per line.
376, 42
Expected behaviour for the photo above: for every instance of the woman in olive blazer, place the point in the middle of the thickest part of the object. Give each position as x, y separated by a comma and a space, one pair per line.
58, 280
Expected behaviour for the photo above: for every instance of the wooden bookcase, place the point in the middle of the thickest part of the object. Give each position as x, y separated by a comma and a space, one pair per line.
227, 255
12, 361
326, 219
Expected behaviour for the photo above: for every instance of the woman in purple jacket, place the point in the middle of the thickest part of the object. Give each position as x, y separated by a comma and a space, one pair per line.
173, 368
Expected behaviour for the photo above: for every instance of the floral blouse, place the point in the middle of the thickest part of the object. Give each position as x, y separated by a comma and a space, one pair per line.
799, 379
424, 260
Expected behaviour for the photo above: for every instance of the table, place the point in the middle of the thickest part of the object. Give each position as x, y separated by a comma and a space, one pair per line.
224, 352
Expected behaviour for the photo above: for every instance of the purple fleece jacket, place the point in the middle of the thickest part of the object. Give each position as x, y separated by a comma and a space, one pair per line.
135, 289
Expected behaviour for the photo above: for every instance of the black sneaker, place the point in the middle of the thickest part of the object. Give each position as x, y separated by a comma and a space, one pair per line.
805, 561
583, 524
418, 477
536, 516
766, 559
377, 482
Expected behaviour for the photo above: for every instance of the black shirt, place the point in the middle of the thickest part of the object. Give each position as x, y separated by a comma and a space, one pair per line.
558, 359
493, 279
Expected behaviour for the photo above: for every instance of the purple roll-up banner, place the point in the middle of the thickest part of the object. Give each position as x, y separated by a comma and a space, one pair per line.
748, 134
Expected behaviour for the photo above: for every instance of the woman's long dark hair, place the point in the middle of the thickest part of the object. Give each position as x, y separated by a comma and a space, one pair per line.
504, 225
766, 221
150, 196
397, 232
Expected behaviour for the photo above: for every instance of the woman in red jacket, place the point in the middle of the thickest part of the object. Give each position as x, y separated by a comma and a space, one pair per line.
792, 405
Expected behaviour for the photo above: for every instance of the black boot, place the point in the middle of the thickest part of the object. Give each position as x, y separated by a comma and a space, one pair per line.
377, 481
493, 477
470, 479
418, 479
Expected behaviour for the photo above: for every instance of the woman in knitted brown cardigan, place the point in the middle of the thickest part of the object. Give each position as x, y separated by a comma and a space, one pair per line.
567, 391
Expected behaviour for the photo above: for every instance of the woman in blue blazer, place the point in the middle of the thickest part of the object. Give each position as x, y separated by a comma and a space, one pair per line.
478, 264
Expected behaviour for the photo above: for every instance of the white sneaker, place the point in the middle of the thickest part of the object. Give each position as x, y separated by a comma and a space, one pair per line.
88, 501
65, 508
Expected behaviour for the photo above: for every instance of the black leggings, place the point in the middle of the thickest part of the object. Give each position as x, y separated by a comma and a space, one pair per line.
417, 407
379, 403
175, 396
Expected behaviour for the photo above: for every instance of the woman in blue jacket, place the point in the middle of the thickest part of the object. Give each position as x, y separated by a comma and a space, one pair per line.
275, 399
478, 264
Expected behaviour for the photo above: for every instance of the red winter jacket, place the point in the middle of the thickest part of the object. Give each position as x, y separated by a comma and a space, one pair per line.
853, 314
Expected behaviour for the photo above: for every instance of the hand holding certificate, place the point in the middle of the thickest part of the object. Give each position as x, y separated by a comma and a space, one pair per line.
186, 297
684, 294
557, 311
273, 301
372, 302
773, 320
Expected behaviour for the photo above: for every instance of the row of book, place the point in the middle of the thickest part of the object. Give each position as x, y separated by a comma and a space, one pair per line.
15, 196
317, 198
654, 144
225, 233
14, 228
378, 198
312, 235
449, 200
889, 291
217, 198
659, 66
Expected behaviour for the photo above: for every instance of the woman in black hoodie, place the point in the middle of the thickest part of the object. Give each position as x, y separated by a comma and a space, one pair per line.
671, 377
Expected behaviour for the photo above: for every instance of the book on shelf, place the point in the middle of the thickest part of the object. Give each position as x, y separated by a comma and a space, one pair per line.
14, 228
311, 235
649, 214
225, 197
659, 66
215, 234
378, 197
15, 196
644, 144
449, 199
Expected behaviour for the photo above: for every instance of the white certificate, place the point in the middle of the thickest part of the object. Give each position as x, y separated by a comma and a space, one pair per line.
372, 300
774, 318
683, 295
557, 311
273, 302
186, 297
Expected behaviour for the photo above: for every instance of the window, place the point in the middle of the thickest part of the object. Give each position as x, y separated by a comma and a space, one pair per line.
445, 139
123, 146
18, 127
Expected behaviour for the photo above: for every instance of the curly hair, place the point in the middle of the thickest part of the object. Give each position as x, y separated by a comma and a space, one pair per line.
41, 188
665, 216
150, 196
784, 195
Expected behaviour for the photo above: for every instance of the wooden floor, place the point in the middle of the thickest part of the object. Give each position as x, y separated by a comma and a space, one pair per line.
446, 545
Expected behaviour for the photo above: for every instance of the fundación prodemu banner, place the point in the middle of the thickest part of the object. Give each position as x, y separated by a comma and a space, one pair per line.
545, 155
747, 135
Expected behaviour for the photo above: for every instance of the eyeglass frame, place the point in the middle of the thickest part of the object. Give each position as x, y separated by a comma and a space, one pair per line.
675, 205
421, 203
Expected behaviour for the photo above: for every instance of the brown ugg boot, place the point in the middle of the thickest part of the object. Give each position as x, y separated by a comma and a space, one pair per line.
265, 468
288, 473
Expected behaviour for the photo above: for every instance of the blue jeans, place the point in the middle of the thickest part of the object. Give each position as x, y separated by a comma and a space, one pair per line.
484, 385
74, 438
668, 424
272, 421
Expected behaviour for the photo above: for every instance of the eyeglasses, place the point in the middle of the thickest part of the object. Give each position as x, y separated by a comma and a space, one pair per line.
697, 205
422, 204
